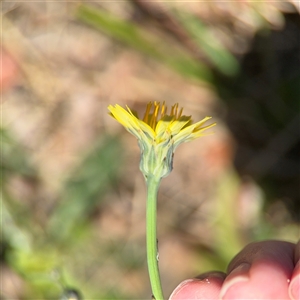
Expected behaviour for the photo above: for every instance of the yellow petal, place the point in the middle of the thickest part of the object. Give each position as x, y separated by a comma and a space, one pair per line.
191, 132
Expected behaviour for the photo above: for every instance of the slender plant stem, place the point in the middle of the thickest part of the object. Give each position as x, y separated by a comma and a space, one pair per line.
152, 249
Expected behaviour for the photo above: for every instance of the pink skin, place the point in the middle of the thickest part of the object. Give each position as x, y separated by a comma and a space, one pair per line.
262, 270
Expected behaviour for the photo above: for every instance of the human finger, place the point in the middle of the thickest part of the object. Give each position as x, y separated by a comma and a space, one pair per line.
262, 270
294, 287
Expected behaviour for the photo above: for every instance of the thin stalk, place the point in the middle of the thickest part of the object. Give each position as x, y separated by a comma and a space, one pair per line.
152, 251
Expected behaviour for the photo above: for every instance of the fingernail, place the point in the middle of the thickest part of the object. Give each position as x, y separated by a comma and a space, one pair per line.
294, 289
180, 287
239, 274
206, 286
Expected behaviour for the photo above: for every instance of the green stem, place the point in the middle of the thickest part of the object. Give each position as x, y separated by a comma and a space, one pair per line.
152, 251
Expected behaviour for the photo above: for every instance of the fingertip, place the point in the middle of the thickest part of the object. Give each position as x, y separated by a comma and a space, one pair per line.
180, 290
239, 275
264, 279
294, 287
199, 288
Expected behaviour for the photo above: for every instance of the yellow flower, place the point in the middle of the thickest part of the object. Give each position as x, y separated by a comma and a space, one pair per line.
159, 134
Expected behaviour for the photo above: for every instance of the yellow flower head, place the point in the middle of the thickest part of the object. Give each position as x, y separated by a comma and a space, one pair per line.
159, 134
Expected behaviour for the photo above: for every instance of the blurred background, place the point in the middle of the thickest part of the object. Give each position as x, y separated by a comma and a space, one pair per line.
73, 198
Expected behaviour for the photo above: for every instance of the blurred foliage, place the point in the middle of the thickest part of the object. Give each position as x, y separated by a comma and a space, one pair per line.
223, 60
79, 237
148, 44
14, 159
268, 135
82, 192
35, 252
